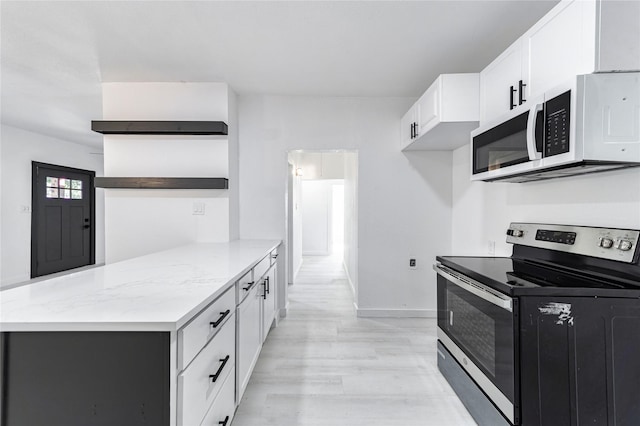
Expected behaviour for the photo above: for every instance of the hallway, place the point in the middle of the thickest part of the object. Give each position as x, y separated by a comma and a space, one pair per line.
323, 366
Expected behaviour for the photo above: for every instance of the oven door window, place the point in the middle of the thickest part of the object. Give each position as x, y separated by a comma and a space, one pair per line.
484, 331
474, 329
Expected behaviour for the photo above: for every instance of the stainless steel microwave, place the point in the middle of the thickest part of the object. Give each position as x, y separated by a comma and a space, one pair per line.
588, 124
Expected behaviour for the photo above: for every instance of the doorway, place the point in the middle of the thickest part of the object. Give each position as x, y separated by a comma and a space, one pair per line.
322, 211
62, 220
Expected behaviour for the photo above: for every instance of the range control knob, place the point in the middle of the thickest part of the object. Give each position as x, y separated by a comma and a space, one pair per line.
606, 242
624, 245
515, 232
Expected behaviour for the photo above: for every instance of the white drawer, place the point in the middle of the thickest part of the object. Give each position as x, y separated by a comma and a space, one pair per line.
196, 334
201, 382
223, 408
243, 286
261, 268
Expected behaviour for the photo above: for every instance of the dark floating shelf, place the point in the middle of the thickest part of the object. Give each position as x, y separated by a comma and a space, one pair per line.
109, 127
161, 183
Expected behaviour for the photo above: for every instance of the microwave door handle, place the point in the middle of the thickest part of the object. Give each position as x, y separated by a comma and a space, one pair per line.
532, 150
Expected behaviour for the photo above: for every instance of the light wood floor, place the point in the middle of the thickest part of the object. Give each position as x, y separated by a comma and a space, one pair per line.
323, 366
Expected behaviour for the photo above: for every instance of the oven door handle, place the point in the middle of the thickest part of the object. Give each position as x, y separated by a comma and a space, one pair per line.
476, 288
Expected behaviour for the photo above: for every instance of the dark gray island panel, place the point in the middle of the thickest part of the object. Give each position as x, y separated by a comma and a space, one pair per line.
85, 378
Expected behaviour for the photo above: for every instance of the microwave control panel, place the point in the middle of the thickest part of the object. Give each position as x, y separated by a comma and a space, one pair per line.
557, 116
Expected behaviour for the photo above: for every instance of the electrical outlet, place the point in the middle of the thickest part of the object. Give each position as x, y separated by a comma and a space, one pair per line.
412, 264
492, 248
198, 209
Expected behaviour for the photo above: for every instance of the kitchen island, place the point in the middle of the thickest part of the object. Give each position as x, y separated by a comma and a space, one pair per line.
143, 341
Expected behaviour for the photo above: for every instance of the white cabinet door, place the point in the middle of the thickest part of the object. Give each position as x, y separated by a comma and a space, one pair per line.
496, 81
249, 339
407, 126
428, 108
560, 46
222, 410
268, 302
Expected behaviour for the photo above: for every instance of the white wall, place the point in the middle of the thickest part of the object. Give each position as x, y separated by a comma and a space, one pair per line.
296, 225
18, 149
404, 199
316, 217
350, 254
482, 211
321, 165
143, 221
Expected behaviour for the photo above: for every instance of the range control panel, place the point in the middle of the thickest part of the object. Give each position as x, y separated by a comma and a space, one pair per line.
605, 243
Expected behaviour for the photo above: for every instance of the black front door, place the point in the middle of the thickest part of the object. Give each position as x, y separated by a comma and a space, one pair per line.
62, 222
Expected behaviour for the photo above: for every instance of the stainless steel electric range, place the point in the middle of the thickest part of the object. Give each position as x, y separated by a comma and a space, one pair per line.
548, 336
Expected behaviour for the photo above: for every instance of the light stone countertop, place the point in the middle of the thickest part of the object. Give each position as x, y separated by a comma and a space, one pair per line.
156, 292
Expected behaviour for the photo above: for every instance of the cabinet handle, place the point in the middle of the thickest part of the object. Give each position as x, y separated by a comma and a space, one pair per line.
224, 422
214, 377
264, 293
223, 315
248, 287
275, 256
521, 87
512, 103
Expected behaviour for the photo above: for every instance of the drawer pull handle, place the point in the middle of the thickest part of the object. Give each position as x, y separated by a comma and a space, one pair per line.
268, 285
264, 293
214, 377
274, 256
248, 287
223, 315
224, 422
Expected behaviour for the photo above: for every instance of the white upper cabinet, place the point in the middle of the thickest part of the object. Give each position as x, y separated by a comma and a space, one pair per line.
500, 81
408, 125
575, 37
444, 115
560, 46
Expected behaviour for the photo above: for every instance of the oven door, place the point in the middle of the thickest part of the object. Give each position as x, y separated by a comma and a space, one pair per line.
477, 325
513, 144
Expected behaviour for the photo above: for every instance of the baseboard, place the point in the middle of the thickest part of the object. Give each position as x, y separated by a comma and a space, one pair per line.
282, 312
395, 313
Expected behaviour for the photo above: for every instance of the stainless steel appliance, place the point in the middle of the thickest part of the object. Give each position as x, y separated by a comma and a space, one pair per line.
548, 336
589, 124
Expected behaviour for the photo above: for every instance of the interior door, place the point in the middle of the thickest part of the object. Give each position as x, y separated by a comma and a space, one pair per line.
62, 222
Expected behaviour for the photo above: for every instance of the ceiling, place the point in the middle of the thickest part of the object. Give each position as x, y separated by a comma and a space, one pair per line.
55, 54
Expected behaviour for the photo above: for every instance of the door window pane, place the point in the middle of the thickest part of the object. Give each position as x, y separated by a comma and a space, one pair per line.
68, 189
